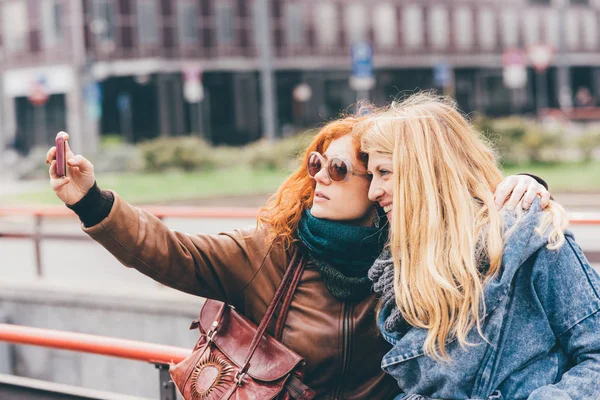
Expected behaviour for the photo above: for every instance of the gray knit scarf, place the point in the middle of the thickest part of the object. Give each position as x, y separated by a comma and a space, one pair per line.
382, 276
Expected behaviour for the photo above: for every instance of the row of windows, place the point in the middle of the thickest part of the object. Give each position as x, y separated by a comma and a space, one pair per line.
483, 26
392, 25
15, 24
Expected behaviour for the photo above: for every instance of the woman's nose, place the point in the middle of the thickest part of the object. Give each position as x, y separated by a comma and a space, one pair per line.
322, 177
375, 192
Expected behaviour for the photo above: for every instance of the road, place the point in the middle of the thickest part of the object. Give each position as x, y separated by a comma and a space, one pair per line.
87, 264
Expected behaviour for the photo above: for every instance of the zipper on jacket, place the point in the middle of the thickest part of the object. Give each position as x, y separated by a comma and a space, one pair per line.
346, 349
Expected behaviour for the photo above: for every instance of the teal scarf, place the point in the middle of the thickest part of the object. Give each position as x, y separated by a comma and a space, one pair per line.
342, 253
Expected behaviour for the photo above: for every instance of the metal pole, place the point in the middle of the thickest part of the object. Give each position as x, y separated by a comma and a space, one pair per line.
38, 245
264, 32
362, 95
167, 387
540, 91
564, 91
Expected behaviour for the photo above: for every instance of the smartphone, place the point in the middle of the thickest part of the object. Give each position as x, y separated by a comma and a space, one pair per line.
61, 159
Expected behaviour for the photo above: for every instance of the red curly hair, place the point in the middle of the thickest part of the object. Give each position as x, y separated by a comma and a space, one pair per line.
284, 209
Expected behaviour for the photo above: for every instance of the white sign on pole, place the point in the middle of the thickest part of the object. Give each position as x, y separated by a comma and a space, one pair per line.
192, 85
540, 55
515, 70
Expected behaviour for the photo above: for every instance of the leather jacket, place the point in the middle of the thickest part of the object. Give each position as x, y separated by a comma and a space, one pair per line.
339, 340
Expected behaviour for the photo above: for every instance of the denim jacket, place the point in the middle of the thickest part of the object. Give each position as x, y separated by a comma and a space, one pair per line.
542, 326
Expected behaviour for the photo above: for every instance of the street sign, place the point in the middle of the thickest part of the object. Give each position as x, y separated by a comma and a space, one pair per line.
540, 55
123, 102
302, 92
442, 75
38, 92
515, 68
362, 77
92, 94
514, 57
192, 84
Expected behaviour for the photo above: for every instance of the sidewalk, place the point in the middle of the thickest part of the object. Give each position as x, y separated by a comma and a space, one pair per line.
11, 187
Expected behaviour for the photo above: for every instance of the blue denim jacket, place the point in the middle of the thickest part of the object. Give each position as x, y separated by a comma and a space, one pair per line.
542, 327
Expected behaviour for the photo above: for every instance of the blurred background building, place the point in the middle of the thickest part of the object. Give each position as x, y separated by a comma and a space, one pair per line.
97, 67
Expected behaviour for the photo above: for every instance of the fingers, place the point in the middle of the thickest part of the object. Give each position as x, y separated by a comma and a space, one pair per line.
52, 170
503, 190
545, 198
532, 191
64, 135
58, 183
68, 152
51, 155
80, 162
516, 196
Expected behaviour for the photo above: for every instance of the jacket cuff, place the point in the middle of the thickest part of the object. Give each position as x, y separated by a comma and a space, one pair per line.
537, 178
94, 206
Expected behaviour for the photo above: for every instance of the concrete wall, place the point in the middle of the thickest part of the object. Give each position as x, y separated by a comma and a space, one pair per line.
157, 316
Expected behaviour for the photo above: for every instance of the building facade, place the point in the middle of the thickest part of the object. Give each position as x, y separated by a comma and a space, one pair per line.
119, 66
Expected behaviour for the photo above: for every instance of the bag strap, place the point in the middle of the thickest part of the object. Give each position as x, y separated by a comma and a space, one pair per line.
285, 284
288, 298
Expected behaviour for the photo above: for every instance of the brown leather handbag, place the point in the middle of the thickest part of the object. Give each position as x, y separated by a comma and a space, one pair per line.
234, 359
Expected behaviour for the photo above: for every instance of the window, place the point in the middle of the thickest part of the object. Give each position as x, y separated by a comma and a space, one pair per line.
294, 23
412, 26
103, 20
438, 26
572, 25
463, 22
590, 31
14, 23
531, 27
224, 23
487, 29
147, 14
355, 22
510, 28
52, 22
551, 23
384, 25
326, 21
187, 22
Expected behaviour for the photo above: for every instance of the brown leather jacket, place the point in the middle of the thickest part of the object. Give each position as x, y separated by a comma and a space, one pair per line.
339, 341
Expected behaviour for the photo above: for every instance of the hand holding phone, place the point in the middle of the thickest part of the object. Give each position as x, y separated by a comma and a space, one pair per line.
72, 188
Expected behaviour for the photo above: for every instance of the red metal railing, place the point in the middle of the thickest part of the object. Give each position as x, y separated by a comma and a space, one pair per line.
157, 354
39, 213
122, 348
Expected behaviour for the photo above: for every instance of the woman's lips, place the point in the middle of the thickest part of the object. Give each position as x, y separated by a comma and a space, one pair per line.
319, 197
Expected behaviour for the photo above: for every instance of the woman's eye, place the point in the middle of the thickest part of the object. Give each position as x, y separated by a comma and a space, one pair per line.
384, 172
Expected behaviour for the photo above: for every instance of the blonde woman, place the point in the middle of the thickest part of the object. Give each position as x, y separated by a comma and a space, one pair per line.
477, 303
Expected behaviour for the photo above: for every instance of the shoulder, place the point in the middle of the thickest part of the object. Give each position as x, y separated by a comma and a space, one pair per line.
565, 284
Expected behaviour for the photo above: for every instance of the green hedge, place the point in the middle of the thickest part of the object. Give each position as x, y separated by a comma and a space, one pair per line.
194, 154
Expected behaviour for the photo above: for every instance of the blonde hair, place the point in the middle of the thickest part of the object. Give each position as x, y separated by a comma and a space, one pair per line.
445, 226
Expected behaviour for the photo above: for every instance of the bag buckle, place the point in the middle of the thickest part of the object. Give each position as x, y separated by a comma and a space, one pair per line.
212, 331
240, 375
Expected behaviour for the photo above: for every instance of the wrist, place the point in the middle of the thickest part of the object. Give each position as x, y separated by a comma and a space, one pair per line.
94, 206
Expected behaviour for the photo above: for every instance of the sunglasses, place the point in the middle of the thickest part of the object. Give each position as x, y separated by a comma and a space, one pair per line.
337, 168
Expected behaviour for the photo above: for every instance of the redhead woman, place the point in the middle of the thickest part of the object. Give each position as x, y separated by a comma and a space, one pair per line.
476, 302
322, 208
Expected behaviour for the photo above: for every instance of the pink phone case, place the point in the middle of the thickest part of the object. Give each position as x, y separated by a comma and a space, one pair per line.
61, 161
